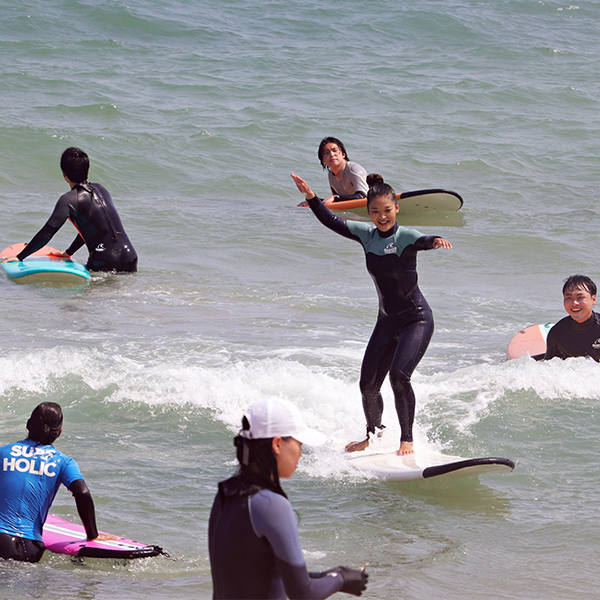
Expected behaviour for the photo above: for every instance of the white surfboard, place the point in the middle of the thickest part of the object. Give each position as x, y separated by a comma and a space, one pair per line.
424, 464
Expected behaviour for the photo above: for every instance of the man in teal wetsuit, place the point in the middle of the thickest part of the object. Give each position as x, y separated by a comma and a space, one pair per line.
31, 471
91, 209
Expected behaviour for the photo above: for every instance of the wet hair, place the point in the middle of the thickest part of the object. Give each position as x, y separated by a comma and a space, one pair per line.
258, 465
377, 188
330, 140
45, 423
579, 281
75, 164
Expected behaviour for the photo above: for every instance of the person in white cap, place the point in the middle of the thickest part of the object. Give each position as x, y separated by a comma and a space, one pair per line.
253, 538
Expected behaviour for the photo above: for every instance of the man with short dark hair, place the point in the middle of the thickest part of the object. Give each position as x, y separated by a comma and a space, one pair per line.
91, 210
579, 333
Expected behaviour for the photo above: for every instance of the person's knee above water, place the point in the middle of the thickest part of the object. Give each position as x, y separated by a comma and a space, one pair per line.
578, 334
253, 538
31, 471
90, 208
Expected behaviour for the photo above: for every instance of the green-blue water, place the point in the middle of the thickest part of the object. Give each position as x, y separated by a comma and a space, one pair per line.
194, 114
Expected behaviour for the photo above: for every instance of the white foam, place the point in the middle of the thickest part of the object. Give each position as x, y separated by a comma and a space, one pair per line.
328, 398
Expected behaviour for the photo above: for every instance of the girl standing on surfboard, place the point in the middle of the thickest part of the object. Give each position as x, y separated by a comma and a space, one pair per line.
405, 321
253, 538
347, 180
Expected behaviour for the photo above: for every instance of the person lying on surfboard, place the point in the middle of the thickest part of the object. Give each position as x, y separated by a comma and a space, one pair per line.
347, 180
90, 208
253, 539
579, 333
405, 321
31, 472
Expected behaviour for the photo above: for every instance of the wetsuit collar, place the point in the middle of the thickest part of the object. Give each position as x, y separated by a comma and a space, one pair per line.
587, 324
388, 233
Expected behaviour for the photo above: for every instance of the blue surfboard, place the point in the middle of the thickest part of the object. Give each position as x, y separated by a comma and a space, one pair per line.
43, 267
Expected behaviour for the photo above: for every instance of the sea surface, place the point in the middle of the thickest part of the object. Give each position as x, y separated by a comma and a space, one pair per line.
193, 114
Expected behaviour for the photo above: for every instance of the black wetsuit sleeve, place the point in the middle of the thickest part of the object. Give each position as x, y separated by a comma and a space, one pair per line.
85, 507
330, 220
354, 196
551, 348
40, 239
341, 197
75, 245
425, 242
55, 222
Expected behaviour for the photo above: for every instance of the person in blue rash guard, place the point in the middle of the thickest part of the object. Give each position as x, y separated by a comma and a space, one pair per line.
405, 321
90, 208
253, 539
31, 471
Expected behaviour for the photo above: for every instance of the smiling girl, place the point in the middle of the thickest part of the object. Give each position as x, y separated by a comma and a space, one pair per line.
405, 321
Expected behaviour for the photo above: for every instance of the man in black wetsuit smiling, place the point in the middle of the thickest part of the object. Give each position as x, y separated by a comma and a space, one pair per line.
90, 208
579, 333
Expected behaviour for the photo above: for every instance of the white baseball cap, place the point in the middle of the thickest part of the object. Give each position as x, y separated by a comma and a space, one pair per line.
270, 418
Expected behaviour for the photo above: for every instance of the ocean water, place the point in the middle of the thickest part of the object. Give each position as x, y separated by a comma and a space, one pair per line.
194, 114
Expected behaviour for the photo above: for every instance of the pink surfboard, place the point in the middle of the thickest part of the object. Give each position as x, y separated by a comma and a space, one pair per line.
529, 341
63, 537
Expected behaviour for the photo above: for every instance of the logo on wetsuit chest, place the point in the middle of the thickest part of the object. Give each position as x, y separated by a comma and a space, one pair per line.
390, 248
100, 248
596, 344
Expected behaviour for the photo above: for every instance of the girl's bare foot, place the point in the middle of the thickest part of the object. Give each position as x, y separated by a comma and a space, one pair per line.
357, 446
406, 448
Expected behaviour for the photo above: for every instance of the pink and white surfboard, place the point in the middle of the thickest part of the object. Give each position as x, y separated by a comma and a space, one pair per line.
64, 537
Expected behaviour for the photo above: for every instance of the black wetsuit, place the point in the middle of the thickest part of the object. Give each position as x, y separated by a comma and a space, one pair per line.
90, 208
405, 321
568, 338
255, 550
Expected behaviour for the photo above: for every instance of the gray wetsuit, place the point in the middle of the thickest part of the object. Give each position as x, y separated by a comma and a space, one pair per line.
352, 184
255, 549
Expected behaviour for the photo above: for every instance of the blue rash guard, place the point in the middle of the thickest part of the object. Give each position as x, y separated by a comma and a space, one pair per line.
30, 475
405, 322
91, 209
255, 550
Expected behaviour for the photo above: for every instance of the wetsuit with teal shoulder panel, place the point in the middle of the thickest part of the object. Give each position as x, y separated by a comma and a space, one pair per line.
405, 322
